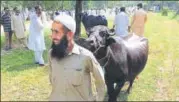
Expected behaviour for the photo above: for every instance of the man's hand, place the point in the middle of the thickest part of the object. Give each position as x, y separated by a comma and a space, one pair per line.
13, 31
129, 28
112, 30
113, 26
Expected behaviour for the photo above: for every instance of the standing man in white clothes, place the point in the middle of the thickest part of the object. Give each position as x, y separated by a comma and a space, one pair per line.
36, 41
121, 23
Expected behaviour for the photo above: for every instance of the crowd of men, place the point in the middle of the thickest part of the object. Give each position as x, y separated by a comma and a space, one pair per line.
14, 23
97, 12
70, 64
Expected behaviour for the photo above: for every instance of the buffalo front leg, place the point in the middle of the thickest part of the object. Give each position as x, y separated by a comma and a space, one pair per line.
130, 86
117, 89
110, 90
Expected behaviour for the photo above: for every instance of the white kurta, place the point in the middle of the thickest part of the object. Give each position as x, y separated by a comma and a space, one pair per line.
44, 19
17, 24
36, 37
121, 23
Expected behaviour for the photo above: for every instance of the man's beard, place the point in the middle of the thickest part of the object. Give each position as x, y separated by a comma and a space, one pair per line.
60, 50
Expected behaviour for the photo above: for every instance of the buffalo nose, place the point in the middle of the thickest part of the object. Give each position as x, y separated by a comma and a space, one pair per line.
91, 42
88, 40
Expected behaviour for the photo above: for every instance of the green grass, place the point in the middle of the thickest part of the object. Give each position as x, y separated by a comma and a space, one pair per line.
22, 80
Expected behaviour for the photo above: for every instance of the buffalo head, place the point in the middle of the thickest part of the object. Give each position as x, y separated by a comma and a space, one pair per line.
98, 36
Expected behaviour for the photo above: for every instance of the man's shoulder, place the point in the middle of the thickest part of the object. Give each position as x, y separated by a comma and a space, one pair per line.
145, 12
49, 52
3, 16
142, 11
84, 51
13, 16
124, 14
32, 15
88, 54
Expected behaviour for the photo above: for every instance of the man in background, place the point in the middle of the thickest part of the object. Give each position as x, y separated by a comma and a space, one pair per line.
121, 23
36, 40
138, 21
6, 22
18, 27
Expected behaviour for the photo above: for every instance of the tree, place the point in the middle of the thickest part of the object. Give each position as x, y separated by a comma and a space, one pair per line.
85, 5
53, 5
177, 12
78, 10
11, 4
69, 5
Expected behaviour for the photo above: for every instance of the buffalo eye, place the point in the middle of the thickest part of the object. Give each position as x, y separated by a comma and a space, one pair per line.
102, 34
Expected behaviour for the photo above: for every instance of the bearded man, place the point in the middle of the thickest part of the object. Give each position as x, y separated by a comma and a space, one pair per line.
72, 67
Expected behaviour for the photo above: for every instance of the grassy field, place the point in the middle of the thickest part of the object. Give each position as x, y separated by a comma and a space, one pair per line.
21, 80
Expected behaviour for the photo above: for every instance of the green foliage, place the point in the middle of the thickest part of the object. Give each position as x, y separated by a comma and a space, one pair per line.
49, 5
46, 5
91, 4
110, 4
69, 5
87, 4
165, 11
11, 4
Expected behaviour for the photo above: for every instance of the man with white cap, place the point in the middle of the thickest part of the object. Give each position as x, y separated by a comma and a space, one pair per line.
72, 67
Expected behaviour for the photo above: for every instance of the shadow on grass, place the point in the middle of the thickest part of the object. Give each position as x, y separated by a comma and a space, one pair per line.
18, 60
22, 67
123, 96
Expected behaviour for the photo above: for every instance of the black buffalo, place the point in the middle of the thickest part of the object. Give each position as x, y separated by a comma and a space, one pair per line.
90, 21
122, 59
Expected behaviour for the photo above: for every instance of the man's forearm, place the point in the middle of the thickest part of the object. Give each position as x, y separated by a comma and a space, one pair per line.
129, 28
113, 26
101, 93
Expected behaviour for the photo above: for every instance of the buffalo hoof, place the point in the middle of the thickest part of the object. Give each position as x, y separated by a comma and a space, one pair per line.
128, 91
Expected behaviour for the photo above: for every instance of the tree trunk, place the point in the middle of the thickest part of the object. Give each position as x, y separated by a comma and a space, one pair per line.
162, 5
78, 10
62, 4
0, 17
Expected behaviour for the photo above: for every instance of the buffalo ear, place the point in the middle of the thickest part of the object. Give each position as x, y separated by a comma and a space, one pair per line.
109, 41
87, 32
110, 32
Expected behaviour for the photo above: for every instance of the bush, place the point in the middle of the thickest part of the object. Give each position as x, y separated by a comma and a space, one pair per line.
176, 14
165, 12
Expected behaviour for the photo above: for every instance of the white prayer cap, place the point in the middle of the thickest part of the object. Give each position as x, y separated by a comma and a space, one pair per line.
67, 21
